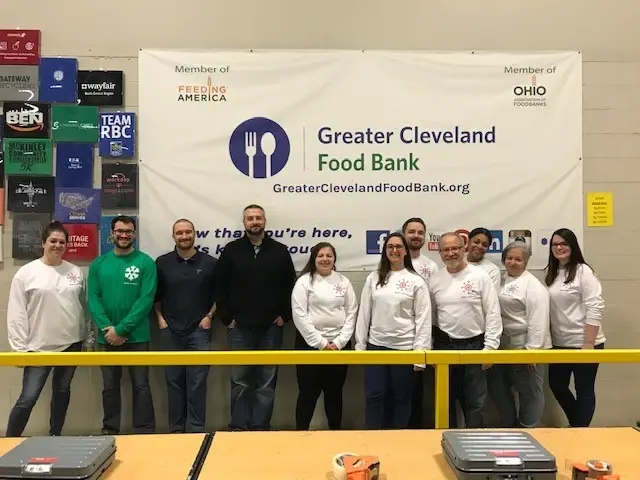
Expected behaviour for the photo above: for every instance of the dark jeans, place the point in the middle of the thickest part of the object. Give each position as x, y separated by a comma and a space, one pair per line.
578, 408
467, 383
253, 388
396, 381
142, 414
314, 380
187, 385
33, 381
422, 417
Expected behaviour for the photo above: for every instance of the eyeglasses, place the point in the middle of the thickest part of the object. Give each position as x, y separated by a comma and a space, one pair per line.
395, 247
124, 232
558, 245
451, 250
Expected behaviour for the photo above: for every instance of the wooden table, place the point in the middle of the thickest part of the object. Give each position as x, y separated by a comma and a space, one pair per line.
154, 457
7, 444
308, 455
145, 457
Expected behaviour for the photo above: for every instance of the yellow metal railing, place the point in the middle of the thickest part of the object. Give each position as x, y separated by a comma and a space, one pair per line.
439, 359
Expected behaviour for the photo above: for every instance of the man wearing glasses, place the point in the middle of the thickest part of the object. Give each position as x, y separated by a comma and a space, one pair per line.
467, 317
121, 291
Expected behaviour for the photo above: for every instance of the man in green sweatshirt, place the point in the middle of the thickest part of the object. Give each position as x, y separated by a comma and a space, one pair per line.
121, 289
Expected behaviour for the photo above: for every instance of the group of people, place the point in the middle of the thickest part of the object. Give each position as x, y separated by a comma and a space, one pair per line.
407, 303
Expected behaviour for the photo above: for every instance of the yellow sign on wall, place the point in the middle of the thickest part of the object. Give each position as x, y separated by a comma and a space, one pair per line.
600, 209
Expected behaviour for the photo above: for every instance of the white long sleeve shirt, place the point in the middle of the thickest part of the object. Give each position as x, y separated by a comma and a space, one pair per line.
46, 310
324, 310
396, 315
524, 304
492, 269
467, 305
575, 305
424, 266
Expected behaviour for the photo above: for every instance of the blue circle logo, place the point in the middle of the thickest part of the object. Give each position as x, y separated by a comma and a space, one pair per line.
259, 147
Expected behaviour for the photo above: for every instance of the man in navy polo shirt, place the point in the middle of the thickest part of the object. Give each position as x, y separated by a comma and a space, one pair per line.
184, 309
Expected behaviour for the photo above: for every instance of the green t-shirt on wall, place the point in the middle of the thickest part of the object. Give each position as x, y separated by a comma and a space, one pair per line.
121, 291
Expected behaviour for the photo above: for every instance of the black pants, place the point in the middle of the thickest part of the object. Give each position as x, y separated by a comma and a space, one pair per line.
422, 417
314, 380
187, 385
33, 381
578, 408
143, 416
467, 383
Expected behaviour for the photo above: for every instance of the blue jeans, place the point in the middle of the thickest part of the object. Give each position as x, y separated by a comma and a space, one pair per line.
527, 384
143, 414
467, 383
394, 382
253, 388
33, 381
187, 385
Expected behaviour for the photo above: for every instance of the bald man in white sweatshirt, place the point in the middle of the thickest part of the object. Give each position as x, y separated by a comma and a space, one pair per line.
467, 317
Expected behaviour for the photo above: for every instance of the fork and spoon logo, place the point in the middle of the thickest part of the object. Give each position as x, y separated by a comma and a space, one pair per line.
267, 146
259, 148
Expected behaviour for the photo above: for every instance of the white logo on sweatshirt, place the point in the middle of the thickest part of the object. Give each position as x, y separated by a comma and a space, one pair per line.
131, 273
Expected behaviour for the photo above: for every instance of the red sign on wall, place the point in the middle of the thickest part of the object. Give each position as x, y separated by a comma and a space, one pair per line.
83, 242
19, 47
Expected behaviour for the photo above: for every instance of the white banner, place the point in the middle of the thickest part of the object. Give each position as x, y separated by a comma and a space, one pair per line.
343, 146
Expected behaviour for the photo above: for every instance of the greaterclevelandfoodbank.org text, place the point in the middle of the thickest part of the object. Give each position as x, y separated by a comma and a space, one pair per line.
382, 187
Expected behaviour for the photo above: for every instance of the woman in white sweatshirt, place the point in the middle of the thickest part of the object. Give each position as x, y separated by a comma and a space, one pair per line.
576, 314
324, 307
46, 313
480, 240
395, 314
524, 306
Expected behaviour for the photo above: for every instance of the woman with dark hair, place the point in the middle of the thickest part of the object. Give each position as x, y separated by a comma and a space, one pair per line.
576, 307
395, 314
324, 307
480, 240
46, 313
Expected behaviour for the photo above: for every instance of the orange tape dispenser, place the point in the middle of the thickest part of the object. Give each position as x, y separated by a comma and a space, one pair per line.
349, 466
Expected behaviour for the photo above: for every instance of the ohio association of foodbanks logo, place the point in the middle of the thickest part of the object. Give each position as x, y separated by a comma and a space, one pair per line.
530, 95
259, 148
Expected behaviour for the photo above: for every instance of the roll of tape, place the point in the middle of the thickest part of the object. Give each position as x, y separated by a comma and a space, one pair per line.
339, 473
598, 468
